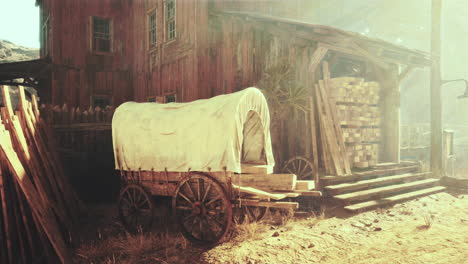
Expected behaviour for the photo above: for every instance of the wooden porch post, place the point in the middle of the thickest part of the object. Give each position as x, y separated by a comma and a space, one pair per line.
436, 101
390, 125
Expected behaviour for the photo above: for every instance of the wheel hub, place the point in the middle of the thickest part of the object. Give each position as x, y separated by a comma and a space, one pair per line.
198, 208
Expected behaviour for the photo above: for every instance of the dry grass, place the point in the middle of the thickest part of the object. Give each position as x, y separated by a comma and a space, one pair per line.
248, 231
428, 220
139, 248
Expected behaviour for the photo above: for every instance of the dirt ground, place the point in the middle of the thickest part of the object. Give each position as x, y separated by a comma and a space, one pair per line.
431, 229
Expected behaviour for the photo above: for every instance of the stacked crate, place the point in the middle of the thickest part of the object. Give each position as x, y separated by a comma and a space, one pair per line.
359, 115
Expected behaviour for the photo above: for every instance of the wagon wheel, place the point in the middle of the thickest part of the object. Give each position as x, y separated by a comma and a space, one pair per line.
300, 166
250, 214
135, 208
202, 209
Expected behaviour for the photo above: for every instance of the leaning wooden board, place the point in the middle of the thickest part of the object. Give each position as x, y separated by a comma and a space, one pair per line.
41, 209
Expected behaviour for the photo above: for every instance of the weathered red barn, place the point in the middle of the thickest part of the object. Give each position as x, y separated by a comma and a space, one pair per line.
112, 51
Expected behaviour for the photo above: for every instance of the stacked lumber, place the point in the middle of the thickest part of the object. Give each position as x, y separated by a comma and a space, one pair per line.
355, 90
359, 116
331, 143
38, 207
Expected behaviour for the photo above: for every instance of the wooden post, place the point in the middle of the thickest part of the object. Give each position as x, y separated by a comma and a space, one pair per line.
436, 101
390, 107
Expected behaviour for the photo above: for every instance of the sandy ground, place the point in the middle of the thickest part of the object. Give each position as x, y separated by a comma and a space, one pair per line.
431, 229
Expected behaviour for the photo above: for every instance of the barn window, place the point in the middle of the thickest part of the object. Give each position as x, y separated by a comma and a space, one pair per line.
102, 101
151, 99
152, 28
102, 37
170, 98
45, 33
170, 19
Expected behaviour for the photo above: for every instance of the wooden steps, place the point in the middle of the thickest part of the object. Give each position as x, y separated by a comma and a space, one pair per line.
384, 190
369, 174
346, 187
385, 184
393, 199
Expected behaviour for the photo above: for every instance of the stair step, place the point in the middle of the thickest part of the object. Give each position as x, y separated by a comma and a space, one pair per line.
393, 199
383, 190
345, 187
372, 173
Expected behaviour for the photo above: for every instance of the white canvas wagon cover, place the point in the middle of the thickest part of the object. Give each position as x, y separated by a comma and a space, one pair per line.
209, 134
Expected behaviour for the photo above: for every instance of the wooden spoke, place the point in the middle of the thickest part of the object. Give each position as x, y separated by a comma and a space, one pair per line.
207, 191
135, 208
209, 218
186, 198
189, 187
217, 198
301, 167
184, 208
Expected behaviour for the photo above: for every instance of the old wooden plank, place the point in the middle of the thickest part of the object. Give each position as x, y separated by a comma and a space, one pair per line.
256, 169
258, 193
328, 131
6, 215
393, 199
385, 190
305, 185
313, 129
286, 205
40, 209
331, 105
317, 57
286, 182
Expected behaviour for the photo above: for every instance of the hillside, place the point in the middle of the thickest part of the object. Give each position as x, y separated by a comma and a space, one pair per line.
10, 52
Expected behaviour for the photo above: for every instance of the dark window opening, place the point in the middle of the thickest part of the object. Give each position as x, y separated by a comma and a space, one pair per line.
102, 37
45, 33
152, 28
170, 98
170, 19
102, 101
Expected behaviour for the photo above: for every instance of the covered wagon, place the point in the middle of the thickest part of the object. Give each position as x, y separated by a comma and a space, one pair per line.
211, 156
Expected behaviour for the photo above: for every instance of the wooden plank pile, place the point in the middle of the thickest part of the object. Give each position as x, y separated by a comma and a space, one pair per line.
38, 207
259, 182
359, 116
331, 146
355, 90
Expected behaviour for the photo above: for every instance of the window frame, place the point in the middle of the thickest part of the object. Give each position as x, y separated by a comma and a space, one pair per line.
168, 20
101, 97
170, 95
150, 13
111, 35
45, 30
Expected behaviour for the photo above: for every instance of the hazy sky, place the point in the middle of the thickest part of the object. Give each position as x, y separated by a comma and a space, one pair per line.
19, 22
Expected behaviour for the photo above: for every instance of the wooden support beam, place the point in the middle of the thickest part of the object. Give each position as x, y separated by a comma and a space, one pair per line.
371, 57
436, 93
390, 107
314, 141
317, 57
406, 72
